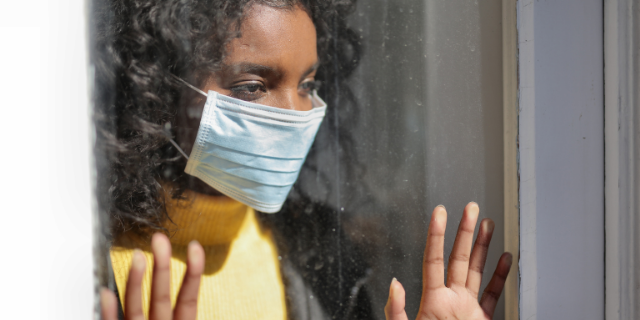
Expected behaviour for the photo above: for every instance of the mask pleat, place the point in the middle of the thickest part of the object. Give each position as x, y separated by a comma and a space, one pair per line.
251, 160
266, 177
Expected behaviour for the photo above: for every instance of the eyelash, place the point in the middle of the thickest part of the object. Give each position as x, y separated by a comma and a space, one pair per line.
311, 85
249, 91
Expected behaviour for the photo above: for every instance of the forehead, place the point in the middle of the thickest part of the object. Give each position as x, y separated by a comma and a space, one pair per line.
274, 35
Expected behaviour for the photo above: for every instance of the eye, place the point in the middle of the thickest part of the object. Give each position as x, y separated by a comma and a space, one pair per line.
248, 91
308, 86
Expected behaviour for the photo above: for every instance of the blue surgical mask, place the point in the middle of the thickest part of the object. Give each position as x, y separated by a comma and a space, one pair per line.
251, 152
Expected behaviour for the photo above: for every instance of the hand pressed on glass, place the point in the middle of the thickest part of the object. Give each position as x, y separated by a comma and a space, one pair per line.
160, 308
459, 298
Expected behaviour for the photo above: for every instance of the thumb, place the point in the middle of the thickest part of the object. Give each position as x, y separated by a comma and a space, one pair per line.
394, 310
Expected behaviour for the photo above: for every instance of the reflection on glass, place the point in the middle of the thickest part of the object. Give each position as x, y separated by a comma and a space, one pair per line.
413, 120
430, 130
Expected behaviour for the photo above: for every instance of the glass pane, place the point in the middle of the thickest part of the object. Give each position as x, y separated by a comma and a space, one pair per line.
430, 86
414, 119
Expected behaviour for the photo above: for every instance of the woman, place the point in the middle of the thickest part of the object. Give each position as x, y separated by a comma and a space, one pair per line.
184, 84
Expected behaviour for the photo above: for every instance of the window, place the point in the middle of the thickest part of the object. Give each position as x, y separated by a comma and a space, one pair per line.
414, 94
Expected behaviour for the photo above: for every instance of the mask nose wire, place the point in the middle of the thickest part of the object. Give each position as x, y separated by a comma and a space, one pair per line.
173, 142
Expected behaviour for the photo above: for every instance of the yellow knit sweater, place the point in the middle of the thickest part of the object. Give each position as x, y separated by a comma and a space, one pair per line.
242, 276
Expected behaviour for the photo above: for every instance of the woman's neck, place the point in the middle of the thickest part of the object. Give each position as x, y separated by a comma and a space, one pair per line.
209, 219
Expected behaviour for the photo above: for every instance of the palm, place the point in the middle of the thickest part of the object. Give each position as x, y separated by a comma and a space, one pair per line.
441, 303
458, 299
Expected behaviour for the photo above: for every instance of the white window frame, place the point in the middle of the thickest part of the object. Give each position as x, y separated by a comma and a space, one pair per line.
622, 145
561, 159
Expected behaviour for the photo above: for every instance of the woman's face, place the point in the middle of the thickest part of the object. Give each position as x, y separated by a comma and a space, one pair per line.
273, 63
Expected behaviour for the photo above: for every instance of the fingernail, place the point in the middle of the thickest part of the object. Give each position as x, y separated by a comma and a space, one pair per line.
394, 280
439, 214
441, 206
157, 245
509, 258
490, 225
191, 251
138, 260
472, 209
107, 298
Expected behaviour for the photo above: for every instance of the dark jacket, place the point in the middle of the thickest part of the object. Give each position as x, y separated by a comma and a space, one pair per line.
324, 273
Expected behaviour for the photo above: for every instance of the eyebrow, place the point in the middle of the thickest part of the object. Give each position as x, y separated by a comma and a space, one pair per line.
262, 70
252, 68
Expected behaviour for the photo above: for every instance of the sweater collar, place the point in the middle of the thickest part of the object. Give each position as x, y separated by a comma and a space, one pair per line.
209, 219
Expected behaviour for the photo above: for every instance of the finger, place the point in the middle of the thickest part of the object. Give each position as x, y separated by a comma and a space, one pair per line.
479, 256
108, 304
160, 308
459, 258
433, 264
494, 288
133, 294
394, 310
186, 305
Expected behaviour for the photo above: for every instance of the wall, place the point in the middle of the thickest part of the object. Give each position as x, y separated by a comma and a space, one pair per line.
46, 195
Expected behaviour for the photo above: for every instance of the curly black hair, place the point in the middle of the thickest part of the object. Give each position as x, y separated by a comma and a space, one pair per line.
138, 45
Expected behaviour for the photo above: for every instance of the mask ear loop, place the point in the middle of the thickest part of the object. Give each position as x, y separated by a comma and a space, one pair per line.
197, 90
189, 85
179, 149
